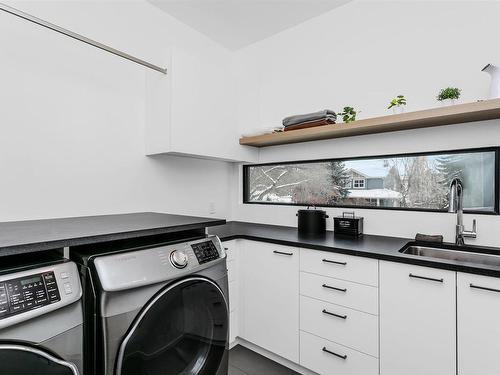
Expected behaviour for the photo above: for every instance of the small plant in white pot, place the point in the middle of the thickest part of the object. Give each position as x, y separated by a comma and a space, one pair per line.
348, 114
397, 104
449, 95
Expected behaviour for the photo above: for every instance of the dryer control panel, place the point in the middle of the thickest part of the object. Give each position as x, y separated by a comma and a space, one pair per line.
133, 269
26, 294
205, 251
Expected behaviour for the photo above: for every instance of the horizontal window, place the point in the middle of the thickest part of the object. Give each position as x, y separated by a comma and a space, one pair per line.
411, 182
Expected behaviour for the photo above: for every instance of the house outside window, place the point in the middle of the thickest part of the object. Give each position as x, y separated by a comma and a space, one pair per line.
359, 184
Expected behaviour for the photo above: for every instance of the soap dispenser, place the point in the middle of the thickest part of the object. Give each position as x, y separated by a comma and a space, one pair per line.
494, 72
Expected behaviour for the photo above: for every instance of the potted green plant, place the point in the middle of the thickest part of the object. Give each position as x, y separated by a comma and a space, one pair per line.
397, 104
448, 95
348, 114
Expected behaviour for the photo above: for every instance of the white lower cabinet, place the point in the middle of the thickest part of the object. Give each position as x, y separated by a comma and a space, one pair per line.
417, 320
339, 330
270, 308
352, 328
232, 250
478, 324
328, 358
361, 316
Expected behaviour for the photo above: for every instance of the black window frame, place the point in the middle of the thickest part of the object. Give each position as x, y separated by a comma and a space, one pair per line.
495, 149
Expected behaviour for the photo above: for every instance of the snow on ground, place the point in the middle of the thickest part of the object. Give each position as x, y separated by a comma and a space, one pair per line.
374, 194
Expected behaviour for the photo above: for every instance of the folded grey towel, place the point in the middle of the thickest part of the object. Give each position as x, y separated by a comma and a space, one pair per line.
330, 119
298, 119
437, 238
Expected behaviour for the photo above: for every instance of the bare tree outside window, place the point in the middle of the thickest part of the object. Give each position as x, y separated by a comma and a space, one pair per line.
411, 182
310, 184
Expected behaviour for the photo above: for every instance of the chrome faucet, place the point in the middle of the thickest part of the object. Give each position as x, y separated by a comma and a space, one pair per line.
456, 206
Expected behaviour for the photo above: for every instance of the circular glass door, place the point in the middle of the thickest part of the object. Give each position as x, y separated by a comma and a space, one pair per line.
183, 330
21, 359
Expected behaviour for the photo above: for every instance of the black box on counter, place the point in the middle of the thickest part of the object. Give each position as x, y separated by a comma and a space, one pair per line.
348, 224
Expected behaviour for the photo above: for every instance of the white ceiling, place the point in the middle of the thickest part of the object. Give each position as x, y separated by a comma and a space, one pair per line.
238, 23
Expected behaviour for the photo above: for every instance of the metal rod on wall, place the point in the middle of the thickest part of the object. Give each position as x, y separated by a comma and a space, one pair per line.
79, 37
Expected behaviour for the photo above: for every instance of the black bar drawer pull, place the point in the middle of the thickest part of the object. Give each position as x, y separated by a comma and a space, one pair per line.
426, 278
484, 288
334, 262
282, 253
333, 314
333, 353
334, 288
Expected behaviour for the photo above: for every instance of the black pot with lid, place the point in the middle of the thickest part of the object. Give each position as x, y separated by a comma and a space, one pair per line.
311, 221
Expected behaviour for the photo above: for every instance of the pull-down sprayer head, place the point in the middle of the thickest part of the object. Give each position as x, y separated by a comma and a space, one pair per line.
456, 206
455, 196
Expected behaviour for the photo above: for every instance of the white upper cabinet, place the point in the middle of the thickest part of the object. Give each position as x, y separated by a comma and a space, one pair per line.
270, 311
478, 311
417, 320
191, 110
158, 109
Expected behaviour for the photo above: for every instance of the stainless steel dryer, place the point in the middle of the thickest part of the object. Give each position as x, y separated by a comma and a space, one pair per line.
159, 310
41, 320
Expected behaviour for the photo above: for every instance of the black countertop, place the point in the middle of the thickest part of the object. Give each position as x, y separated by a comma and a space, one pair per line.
24, 237
370, 246
20, 237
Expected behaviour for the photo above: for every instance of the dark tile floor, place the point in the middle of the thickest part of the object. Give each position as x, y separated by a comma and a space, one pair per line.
243, 361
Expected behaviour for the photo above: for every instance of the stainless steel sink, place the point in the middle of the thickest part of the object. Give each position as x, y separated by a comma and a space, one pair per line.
460, 255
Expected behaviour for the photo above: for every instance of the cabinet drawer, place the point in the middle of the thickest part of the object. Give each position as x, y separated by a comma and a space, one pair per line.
345, 267
340, 292
355, 329
327, 358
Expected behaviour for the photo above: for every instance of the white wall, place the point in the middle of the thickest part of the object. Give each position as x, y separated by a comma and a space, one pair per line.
72, 116
363, 54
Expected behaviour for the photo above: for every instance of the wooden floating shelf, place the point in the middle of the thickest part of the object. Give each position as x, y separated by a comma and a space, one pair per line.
453, 114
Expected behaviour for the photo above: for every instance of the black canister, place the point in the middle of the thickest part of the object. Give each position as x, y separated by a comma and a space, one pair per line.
312, 221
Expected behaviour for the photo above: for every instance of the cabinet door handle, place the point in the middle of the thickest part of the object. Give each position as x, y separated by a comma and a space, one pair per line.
333, 353
484, 288
426, 278
333, 314
334, 288
282, 253
334, 262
